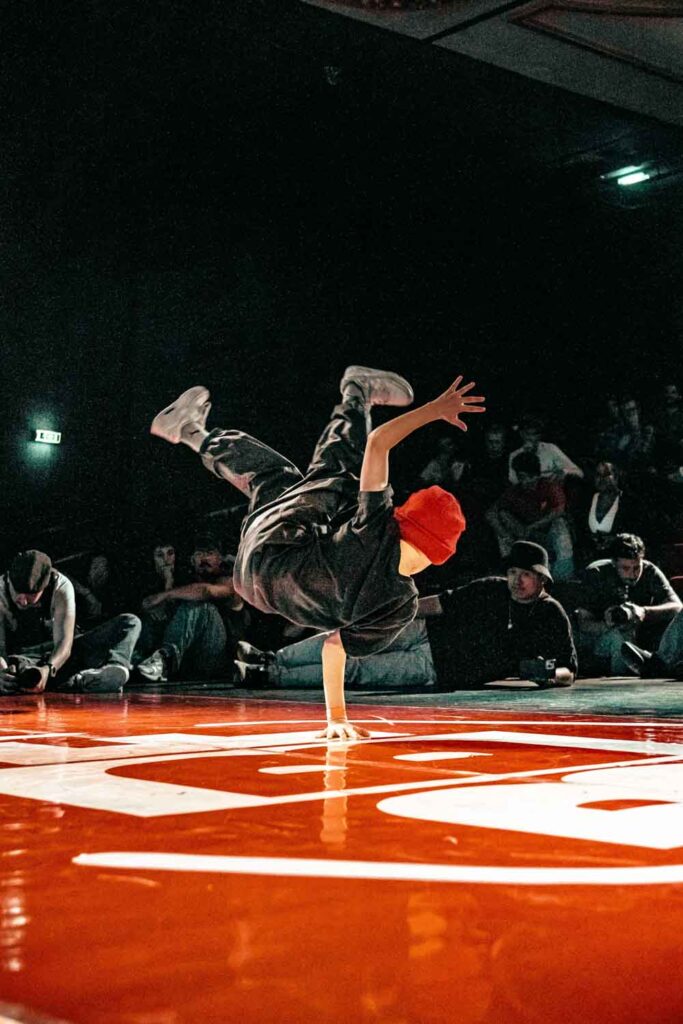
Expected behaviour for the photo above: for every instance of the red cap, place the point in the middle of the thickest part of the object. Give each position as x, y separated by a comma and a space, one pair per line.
432, 521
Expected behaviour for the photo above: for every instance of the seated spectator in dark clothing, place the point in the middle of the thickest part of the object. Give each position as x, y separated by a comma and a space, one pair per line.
448, 467
207, 619
98, 589
633, 448
38, 646
608, 428
555, 465
534, 509
482, 486
488, 476
623, 597
486, 630
607, 511
668, 418
159, 574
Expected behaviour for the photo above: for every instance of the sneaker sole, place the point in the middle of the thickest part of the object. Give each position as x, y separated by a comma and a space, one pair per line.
405, 394
169, 422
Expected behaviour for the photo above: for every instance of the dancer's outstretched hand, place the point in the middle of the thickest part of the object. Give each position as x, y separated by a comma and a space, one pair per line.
456, 401
342, 730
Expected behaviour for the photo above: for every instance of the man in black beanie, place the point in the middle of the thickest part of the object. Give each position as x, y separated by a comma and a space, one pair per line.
38, 646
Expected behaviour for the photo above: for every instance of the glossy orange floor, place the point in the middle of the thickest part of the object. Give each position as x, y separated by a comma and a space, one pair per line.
168, 859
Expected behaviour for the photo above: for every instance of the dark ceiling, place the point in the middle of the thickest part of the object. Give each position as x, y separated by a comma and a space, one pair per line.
116, 112
254, 194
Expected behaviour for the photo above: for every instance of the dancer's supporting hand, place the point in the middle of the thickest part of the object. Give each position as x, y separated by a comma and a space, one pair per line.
343, 730
455, 401
334, 663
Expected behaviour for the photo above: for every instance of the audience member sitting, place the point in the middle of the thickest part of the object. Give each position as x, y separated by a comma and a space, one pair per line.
609, 425
448, 466
206, 621
98, 590
38, 646
668, 418
554, 463
606, 512
488, 476
623, 597
486, 630
633, 447
483, 485
534, 509
159, 574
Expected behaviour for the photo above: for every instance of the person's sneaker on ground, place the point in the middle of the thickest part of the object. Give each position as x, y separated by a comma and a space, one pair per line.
381, 387
644, 663
108, 679
189, 410
155, 668
635, 657
252, 677
251, 655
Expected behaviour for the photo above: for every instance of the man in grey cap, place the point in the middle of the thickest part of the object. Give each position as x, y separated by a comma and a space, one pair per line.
491, 628
38, 646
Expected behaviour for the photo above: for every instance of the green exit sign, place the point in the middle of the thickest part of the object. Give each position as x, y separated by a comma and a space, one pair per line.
47, 436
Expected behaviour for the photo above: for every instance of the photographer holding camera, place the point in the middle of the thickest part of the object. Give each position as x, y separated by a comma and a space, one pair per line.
623, 598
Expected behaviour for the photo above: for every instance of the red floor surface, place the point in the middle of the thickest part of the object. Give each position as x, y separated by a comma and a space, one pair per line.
167, 860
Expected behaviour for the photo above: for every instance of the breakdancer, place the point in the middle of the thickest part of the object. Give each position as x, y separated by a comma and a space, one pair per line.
328, 550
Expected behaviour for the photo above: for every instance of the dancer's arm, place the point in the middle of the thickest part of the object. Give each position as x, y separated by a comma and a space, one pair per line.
334, 663
374, 475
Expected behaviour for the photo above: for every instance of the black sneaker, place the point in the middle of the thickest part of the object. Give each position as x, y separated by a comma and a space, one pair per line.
251, 655
252, 677
644, 663
635, 657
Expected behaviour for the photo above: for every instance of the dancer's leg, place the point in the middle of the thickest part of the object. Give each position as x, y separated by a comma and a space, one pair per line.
407, 663
258, 471
341, 446
332, 478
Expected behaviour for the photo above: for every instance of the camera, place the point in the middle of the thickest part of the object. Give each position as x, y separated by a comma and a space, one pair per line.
620, 614
537, 670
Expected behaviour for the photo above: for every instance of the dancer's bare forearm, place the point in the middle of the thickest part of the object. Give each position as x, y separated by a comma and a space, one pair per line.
449, 406
334, 664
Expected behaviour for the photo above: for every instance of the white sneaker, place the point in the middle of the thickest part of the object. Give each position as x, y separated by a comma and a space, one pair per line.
108, 679
192, 407
382, 387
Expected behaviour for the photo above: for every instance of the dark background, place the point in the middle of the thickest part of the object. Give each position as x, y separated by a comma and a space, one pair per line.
252, 195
